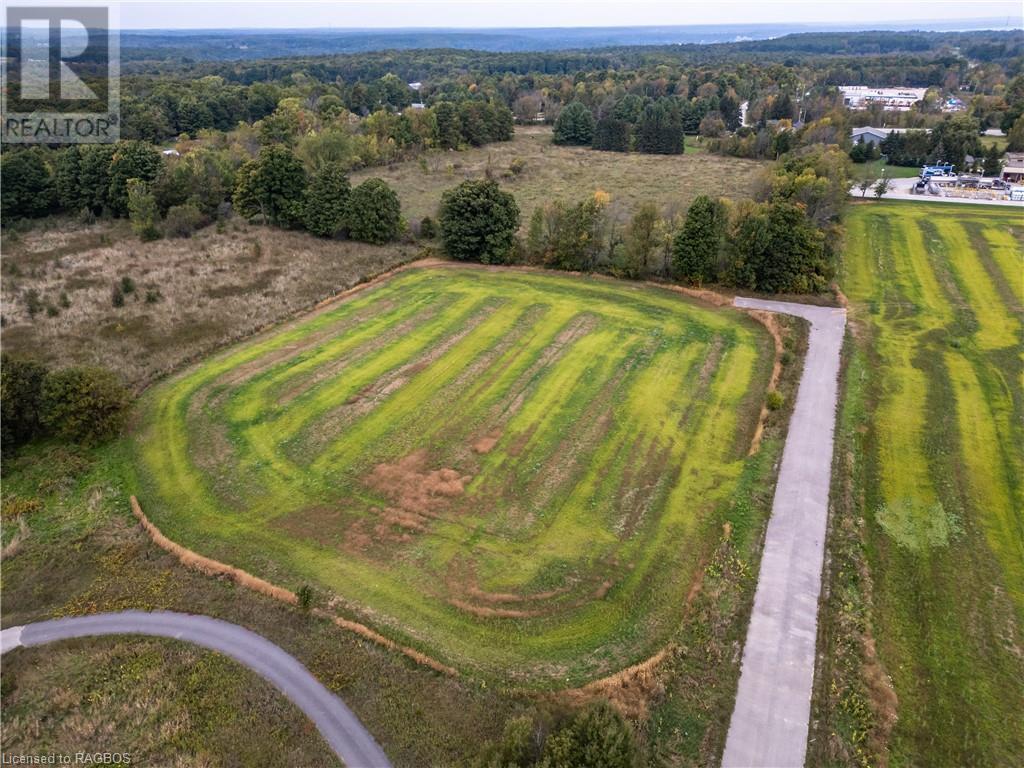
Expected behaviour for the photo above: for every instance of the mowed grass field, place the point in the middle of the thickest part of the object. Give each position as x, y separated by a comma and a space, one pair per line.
517, 473
552, 172
935, 408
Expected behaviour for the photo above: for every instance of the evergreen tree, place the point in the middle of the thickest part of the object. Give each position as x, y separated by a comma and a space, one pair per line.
26, 188
326, 200
575, 125
660, 130
993, 161
611, 134
65, 178
697, 245
449, 135
94, 176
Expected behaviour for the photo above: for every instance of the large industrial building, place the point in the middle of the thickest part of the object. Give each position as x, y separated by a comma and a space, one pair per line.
892, 99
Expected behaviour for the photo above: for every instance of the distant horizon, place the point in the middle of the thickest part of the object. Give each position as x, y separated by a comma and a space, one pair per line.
912, 25
483, 15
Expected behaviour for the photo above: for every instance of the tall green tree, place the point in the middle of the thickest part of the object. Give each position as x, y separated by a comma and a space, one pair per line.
373, 213
131, 160
26, 186
660, 129
479, 222
698, 244
272, 185
326, 201
993, 161
612, 134
574, 125
449, 134
94, 176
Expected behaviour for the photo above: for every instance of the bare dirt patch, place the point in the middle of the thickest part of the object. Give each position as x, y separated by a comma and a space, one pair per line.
415, 490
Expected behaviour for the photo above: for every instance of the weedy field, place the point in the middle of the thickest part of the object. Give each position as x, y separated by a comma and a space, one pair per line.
537, 171
71, 695
931, 444
517, 473
180, 299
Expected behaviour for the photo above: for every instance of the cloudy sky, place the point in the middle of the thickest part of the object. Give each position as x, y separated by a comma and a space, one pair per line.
203, 14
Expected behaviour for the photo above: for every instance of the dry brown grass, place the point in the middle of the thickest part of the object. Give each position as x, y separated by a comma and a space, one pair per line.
214, 288
571, 173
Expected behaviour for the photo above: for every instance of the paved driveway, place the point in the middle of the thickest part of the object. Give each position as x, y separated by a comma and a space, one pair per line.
773, 704
338, 725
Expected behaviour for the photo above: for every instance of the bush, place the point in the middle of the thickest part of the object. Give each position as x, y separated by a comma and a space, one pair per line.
183, 220
478, 222
85, 405
373, 213
775, 400
21, 387
117, 296
305, 596
598, 737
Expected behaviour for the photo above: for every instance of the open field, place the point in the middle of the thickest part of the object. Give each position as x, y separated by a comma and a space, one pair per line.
875, 168
514, 472
930, 453
554, 172
97, 694
190, 296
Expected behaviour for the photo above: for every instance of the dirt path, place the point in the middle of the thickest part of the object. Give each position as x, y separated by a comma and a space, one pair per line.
773, 704
337, 724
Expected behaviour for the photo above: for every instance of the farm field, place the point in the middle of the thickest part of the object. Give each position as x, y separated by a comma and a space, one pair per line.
931, 435
516, 473
554, 172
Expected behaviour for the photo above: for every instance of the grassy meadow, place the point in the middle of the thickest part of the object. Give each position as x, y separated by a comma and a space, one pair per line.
99, 693
931, 440
517, 473
551, 172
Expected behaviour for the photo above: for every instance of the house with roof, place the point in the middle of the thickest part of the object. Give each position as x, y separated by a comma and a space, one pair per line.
1013, 167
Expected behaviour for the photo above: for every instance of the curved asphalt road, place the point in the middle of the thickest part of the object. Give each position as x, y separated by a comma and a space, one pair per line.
773, 704
342, 730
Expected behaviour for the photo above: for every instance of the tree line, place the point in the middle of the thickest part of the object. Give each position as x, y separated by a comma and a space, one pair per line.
785, 241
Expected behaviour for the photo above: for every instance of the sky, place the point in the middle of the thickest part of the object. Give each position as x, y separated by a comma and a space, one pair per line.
250, 14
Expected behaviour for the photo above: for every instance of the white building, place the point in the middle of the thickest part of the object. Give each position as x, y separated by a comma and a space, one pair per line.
893, 99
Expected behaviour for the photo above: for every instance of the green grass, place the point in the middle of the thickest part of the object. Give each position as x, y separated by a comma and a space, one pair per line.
875, 168
936, 470
517, 473
572, 173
